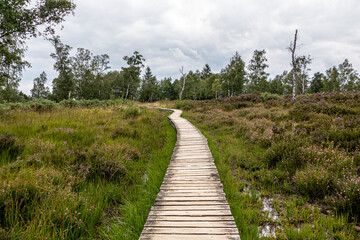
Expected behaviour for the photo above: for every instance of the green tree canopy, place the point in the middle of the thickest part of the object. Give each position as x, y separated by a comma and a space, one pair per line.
132, 74
40, 90
332, 80
64, 84
233, 76
317, 83
257, 72
206, 72
20, 20
348, 77
149, 87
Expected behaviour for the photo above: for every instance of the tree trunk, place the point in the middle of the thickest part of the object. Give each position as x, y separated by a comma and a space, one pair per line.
127, 91
183, 86
292, 49
303, 90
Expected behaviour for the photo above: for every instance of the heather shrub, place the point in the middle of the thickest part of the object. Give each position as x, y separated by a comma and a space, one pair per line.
124, 131
184, 105
110, 162
285, 154
4, 110
34, 196
314, 181
300, 113
9, 147
347, 138
347, 195
332, 158
130, 111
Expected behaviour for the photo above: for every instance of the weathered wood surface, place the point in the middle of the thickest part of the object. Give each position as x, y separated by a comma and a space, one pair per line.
191, 203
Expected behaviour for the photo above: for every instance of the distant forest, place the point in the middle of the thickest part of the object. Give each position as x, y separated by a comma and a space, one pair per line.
87, 76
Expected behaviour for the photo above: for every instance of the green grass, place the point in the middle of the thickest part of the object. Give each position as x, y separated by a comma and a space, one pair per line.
303, 156
81, 173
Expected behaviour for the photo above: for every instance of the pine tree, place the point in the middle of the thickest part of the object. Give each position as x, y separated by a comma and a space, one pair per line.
149, 87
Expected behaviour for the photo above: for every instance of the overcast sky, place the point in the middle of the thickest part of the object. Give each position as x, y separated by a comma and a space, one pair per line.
172, 33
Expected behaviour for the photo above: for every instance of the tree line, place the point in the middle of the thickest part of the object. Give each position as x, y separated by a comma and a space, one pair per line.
85, 76
88, 76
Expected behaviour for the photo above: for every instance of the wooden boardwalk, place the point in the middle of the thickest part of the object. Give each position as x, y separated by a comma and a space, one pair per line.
191, 203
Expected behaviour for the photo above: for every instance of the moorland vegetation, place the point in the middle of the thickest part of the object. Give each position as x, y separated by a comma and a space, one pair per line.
80, 170
302, 159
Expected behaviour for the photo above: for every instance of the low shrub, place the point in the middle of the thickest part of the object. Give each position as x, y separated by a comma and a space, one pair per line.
4, 110
34, 196
285, 155
348, 139
184, 105
314, 181
265, 96
42, 105
9, 147
131, 111
347, 195
125, 132
69, 103
110, 162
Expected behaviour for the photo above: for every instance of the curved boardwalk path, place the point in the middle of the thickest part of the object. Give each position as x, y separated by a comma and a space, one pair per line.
191, 203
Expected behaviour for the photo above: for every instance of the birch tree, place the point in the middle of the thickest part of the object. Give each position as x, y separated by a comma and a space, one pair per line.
292, 49
184, 82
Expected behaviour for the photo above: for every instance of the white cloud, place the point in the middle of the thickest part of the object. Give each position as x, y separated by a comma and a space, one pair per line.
191, 33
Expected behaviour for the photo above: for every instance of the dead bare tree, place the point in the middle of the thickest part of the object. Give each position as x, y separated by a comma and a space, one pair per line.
292, 49
184, 81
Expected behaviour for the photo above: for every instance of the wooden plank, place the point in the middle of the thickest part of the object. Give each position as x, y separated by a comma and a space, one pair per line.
191, 188
188, 237
204, 231
190, 194
190, 218
201, 190
186, 199
190, 203
191, 213
191, 207
188, 224
192, 183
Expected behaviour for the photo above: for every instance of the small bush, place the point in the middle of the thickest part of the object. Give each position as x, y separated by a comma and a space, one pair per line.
33, 196
348, 138
9, 148
268, 96
131, 111
314, 181
347, 194
104, 161
4, 110
286, 155
125, 132
184, 105
42, 105
69, 103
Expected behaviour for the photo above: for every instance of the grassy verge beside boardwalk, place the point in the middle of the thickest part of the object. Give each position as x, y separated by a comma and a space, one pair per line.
79, 173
